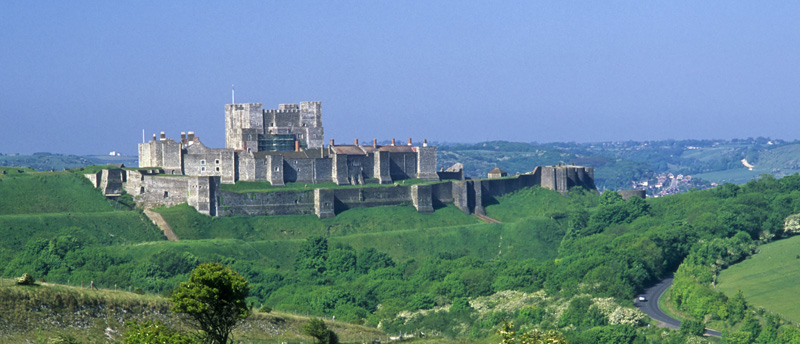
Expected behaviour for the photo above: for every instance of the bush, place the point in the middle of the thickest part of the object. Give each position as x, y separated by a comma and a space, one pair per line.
692, 327
26, 279
265, 309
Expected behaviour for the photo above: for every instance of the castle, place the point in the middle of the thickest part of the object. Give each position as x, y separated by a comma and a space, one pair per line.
285, 145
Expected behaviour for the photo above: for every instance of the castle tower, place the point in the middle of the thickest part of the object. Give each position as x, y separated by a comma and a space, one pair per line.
243, 125
311, 122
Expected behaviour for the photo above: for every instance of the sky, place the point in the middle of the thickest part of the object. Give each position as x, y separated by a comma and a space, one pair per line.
86, 77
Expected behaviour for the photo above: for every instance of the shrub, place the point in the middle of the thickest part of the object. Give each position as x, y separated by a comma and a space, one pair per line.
26, 279
265, 309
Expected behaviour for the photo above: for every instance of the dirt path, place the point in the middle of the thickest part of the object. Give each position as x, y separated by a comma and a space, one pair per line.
159, 221
486, 218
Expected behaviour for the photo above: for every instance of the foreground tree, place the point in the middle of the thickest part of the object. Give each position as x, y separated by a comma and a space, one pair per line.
214, 298
316, 328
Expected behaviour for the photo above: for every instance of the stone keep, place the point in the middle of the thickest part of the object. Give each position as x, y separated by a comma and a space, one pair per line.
249, 127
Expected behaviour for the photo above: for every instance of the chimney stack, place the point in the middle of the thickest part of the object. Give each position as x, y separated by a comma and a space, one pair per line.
296, 146
154, 137
331, 143
392, 142
374, 143
190, 136
355, 142
183, 137
425, 143
163, 136
409, 141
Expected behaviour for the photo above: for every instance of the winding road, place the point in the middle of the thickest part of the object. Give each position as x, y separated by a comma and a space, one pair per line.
650, 307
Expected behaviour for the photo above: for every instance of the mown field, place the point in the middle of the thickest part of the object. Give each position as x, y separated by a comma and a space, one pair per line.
769, 278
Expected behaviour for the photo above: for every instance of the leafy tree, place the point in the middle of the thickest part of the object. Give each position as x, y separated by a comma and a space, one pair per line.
692, 327
370, 259
153, 332
214, 298
316, 328
313, 254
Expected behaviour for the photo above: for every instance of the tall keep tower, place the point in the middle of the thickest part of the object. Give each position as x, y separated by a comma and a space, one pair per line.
244, 124
249, 127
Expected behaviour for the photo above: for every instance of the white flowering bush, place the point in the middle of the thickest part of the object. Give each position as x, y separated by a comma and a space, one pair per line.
26, 279
626, 316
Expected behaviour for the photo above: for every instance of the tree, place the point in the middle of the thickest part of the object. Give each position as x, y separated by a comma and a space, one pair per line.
214, 298
316, 328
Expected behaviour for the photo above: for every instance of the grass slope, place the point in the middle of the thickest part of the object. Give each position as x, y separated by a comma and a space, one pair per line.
44, 312
55, 192
189, 224
769, 279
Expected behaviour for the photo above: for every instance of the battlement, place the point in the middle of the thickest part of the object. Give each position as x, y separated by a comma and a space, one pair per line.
231, 107
288, 107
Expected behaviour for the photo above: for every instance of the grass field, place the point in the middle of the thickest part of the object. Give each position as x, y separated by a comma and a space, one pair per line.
769, 279
49, 192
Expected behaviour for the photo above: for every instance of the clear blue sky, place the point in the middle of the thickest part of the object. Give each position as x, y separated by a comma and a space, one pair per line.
86, 77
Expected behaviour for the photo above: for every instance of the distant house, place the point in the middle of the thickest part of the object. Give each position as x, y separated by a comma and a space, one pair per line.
497, 173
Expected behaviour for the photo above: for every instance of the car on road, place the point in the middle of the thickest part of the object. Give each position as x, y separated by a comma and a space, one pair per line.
642, 299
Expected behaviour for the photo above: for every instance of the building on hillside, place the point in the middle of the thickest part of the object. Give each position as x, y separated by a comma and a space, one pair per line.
497, 173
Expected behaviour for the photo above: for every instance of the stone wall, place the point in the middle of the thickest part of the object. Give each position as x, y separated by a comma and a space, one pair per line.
313, 170
153, 191
380, 167
290, 202
426, 163
201, 194
164, 153
202, 161
403, 165
371, 197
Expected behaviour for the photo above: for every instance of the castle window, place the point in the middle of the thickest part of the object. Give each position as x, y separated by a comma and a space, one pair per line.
202, 169
202, 162
166, 194
216, 161
141, 191
217, 168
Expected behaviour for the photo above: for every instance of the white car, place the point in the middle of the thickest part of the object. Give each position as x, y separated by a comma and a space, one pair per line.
642, 299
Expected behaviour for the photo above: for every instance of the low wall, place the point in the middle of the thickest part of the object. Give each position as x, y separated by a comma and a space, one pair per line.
470, 196
292, 202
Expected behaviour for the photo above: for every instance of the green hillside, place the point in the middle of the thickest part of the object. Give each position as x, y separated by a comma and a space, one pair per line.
57, 192
567, 263
47, 313
769, 278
